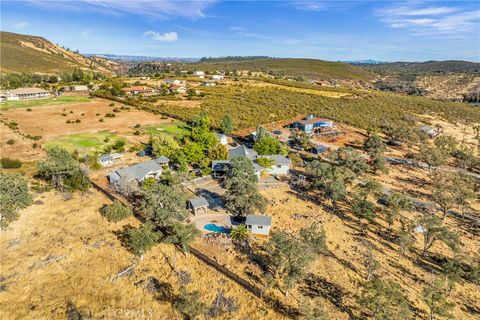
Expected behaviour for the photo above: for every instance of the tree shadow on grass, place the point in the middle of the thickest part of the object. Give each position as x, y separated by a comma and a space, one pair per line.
315, 286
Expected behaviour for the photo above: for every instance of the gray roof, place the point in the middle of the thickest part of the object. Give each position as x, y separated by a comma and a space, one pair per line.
279, 160
425, 128
137, 171
220, 135
242, 151
162, 160
28, 91
110, 156
198, 202
259, 220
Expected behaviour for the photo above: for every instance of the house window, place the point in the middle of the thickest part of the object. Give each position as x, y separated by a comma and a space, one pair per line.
260, 227
249, 226
279, 166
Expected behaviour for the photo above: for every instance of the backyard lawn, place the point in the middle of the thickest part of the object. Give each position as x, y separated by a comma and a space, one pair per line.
42, 102
84, 142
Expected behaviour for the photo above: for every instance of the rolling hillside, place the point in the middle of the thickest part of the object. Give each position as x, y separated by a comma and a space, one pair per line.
32, 54
427, 67
310, 68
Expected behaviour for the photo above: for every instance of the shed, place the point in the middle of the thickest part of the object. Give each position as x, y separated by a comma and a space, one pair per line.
259, 224
109, 159
198, 205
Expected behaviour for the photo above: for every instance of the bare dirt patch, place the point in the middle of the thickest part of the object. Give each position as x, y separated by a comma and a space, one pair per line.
49, 122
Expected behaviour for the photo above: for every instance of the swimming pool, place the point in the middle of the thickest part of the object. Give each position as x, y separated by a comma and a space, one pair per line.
215, 228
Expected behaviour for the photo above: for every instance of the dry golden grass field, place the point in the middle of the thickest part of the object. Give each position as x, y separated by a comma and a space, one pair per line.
65, 251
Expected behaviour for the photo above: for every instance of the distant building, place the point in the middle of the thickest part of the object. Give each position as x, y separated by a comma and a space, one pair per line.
200, 74
134, 90
310, 124
24, 93
139, 172
175, 81
208, 84
259, 224
80, 89
217, 77
198, 205
107, 160
178, 89
222, 138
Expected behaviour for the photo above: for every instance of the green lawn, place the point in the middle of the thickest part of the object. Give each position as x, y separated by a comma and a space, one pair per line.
42, 102
84, 142
174, 128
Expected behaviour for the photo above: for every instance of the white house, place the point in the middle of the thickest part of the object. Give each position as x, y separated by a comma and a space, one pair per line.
107, 160
217, 77
280, 166
24, 93
259, 224
178, 89
208, 84
80, 89
140, 171
200, 74
222, 138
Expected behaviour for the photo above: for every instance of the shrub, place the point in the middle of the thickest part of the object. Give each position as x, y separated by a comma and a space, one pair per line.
112, 104
137, 126
68, 121
139, 240
78, 121
119, 145
71, 111
64, 114
8, 163
116, 110
29, 109
100, 120
137, 133
10, 141
97, 114
35, 145
109, 115
14, 195
115, 211
12, 125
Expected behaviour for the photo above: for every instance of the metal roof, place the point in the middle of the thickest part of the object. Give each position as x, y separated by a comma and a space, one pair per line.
259, 220
28, 91
279, 160
312, 121
198, 202
137, 171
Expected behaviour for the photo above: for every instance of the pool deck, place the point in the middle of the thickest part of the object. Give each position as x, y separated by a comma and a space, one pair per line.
220, 219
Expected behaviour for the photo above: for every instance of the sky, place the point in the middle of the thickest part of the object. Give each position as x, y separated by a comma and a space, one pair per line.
329, 30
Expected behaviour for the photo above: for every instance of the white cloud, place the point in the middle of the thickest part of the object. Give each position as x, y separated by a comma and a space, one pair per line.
234, 28
310, 5
166, 37
431, 20
152, 8
21, 25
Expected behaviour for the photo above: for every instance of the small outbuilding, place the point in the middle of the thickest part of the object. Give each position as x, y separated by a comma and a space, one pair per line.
107, 160
259, 224
222, 138
198, 205
318, 149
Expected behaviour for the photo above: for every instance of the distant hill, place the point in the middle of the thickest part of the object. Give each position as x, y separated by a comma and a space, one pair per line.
32, 54
130, 58
428, 67
310, 68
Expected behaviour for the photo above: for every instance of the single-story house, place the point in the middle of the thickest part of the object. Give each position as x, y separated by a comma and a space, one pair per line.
138, 90
242, 151
208, 84
198, 205
178, 89
430, 131
24, 93
80, 89
281, 164
200, 74
107, 160
259, 224
220, 168
217, 77
222, 138
318, 149
139, 172
310, 124
176, 81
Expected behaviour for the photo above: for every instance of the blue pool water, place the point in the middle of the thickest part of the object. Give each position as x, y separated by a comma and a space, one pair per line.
215, 228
